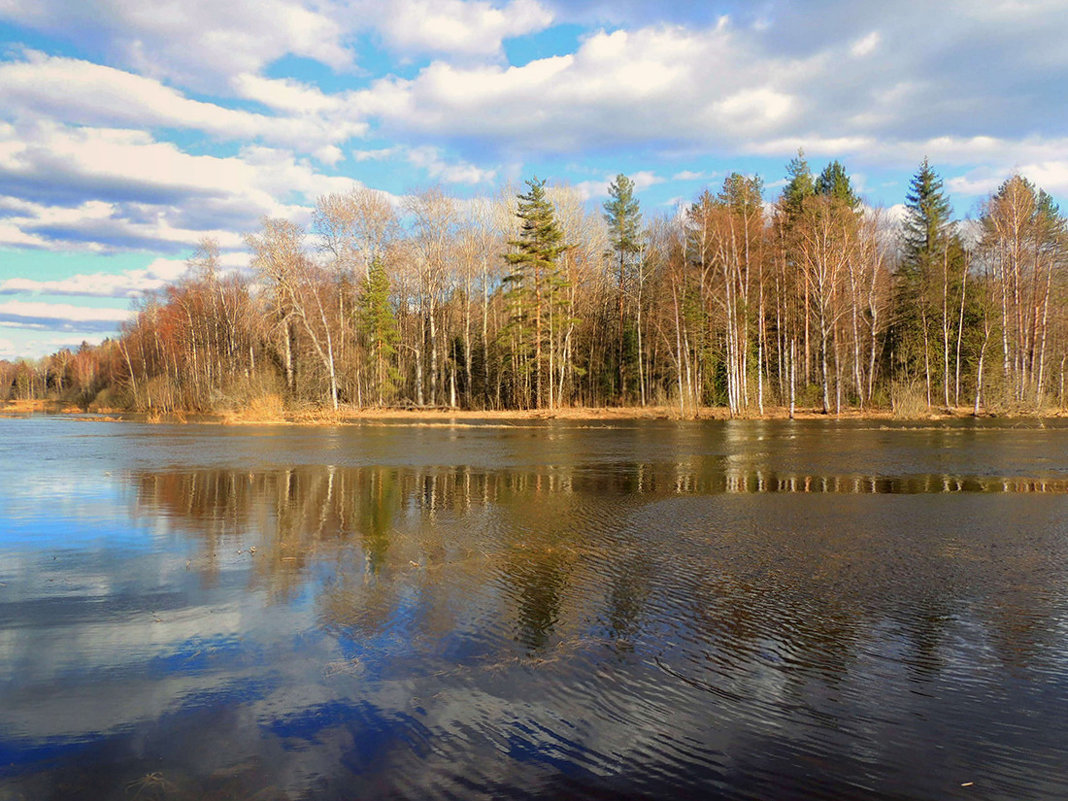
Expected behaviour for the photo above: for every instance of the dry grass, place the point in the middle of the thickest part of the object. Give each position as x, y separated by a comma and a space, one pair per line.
269, 409
266, 408
31, 406
910, 401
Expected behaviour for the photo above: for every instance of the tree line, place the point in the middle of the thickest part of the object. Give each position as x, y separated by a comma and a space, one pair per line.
531, 300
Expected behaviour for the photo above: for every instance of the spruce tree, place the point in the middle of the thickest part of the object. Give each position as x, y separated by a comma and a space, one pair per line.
623, 216
799, 187
931, 261
378, 325
834, 183
927, 218
535, 278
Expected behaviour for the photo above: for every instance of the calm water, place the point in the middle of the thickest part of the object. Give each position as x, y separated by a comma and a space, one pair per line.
735, 610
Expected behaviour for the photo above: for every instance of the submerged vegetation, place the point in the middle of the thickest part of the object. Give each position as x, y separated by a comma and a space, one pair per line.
536, 302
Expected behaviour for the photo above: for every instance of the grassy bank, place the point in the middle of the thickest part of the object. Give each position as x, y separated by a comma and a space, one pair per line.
275, 414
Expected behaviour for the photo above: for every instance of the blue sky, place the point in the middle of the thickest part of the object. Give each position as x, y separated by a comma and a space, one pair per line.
131, 129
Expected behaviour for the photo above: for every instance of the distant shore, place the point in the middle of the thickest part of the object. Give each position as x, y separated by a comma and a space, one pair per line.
445, 415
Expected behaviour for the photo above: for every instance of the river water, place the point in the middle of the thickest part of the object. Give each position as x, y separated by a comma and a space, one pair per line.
732, 610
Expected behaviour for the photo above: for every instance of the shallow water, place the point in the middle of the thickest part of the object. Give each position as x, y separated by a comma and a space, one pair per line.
743, 610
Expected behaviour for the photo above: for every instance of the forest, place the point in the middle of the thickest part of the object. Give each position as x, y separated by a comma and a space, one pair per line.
531, 299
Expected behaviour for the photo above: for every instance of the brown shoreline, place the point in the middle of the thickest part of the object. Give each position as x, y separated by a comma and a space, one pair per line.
431, 416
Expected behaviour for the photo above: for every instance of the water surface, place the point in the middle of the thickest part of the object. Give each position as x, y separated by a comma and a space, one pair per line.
742, 610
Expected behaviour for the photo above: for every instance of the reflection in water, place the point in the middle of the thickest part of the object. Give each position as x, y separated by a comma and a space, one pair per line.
592, 628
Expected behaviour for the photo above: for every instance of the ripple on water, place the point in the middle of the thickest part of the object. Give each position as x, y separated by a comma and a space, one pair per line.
735, 612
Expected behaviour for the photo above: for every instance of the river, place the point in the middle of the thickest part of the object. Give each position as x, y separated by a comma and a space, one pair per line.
726, 610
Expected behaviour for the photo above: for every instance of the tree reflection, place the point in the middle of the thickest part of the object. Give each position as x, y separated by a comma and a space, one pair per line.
476, 564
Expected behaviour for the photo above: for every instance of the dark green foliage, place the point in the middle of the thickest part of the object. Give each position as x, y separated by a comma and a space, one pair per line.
535, 285
378, 326
799, 187
624, 218
834, 183
929, 280
540, 240
742, 194
927, 219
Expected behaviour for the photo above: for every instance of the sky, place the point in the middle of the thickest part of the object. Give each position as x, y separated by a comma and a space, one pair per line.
132, 129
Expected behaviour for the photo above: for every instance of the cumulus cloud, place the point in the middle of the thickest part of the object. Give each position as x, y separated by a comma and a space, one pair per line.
429, 158
863, 76
34, 345
108, 187
865, 45
643, 179
1050, 175
692, 175
77, 91
656, 84
60, 316
285, 94
456, 26
197, 43
157, 274
375, 155
127, 284
432, 161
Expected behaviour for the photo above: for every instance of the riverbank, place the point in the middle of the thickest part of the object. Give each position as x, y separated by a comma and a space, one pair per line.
430, 416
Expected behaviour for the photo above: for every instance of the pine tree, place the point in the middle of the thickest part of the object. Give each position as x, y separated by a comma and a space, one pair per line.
799, 186
535, 278
834, 183
623, 216
926, 277
378, 326
927, 218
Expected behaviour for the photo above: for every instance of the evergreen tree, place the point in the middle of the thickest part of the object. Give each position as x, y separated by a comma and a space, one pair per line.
742, 194
799, 186
623, 216
834, 183
378, 326
535, 278
928, 279
927, 219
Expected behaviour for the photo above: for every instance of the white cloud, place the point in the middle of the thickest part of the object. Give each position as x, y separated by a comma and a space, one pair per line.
658, 83
456, 26
375, 155
198, 43
35, 345
1051, 175
643, 179
755, 109
460, 172
865, 45
38, 314
329, 154
122, 188
691, 175
77, 91
127, 284
430, 159
733, 88
285, 94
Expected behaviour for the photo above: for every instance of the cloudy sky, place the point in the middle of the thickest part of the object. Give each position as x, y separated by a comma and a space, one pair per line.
131, 129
